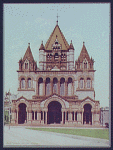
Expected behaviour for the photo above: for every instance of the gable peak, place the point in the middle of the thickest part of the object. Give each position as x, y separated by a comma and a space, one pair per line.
60, 37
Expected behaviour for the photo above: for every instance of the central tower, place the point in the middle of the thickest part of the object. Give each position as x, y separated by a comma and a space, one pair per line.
57, 54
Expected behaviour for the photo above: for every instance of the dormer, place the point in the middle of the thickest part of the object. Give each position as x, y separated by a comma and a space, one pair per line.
85, 64
26, 64
56, 45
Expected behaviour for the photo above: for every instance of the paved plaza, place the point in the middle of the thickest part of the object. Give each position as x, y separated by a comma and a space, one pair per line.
21, 137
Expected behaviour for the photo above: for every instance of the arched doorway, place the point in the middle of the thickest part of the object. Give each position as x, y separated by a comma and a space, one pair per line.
22, 114
87, 116
54, 112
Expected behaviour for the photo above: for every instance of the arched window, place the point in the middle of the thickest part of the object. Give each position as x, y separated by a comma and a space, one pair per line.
85, 65
70, 89
22, 83
47, 86
62, 86
29, 83
88, 83
55, 81
81, 83
40, 86
26, 65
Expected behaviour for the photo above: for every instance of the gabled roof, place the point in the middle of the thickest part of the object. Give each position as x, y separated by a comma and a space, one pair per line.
84, 54
57, 32
28, 54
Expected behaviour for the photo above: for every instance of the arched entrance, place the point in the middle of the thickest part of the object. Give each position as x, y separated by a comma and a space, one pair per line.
87, 116
54, 114
22, 114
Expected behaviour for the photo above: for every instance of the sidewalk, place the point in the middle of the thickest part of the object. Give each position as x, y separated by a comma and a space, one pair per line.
20, 136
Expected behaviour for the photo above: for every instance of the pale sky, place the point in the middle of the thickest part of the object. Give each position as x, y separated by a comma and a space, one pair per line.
32, 23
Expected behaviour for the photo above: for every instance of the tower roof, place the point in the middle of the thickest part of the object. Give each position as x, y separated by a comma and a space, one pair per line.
57, 32
28, 54
84, 54
71, 46
42, 46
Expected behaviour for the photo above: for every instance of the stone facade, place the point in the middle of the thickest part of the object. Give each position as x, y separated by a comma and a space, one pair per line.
104, 116
59, 91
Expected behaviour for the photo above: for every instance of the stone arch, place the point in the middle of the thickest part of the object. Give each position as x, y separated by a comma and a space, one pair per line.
22, 76
82, 76
55, 99
87, 102
29, 76
71, 77
87, 76
21, 100
40, 76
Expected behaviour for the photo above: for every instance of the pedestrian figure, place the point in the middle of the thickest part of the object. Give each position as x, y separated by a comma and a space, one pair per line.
9, 126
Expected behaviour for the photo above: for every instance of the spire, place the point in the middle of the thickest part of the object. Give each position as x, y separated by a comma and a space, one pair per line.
28, 54
84, 54
42, 47
71, 46
57, 19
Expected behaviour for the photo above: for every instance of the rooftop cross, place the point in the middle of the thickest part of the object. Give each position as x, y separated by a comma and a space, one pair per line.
57, 19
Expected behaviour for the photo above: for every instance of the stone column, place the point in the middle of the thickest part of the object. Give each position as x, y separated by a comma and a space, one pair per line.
62, 117
34, 115
44, 85
66, 88
46, 117
74, 115
37, 88
17, 117
82, 117
43, 117
51, 84
30, 116
79, 117
92, 118
65, 116
27, 116
39, 116
58, 87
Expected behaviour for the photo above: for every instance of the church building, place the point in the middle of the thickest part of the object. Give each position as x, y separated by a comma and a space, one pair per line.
60, 90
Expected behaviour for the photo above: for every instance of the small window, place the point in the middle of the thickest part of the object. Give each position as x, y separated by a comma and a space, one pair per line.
88, 82
29, 82
81, 83
22, 83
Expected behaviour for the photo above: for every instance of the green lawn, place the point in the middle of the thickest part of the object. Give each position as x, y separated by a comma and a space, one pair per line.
96, 133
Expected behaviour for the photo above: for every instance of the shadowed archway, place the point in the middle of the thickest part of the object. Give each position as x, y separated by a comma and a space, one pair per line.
54, 114
22, 114
87, 116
